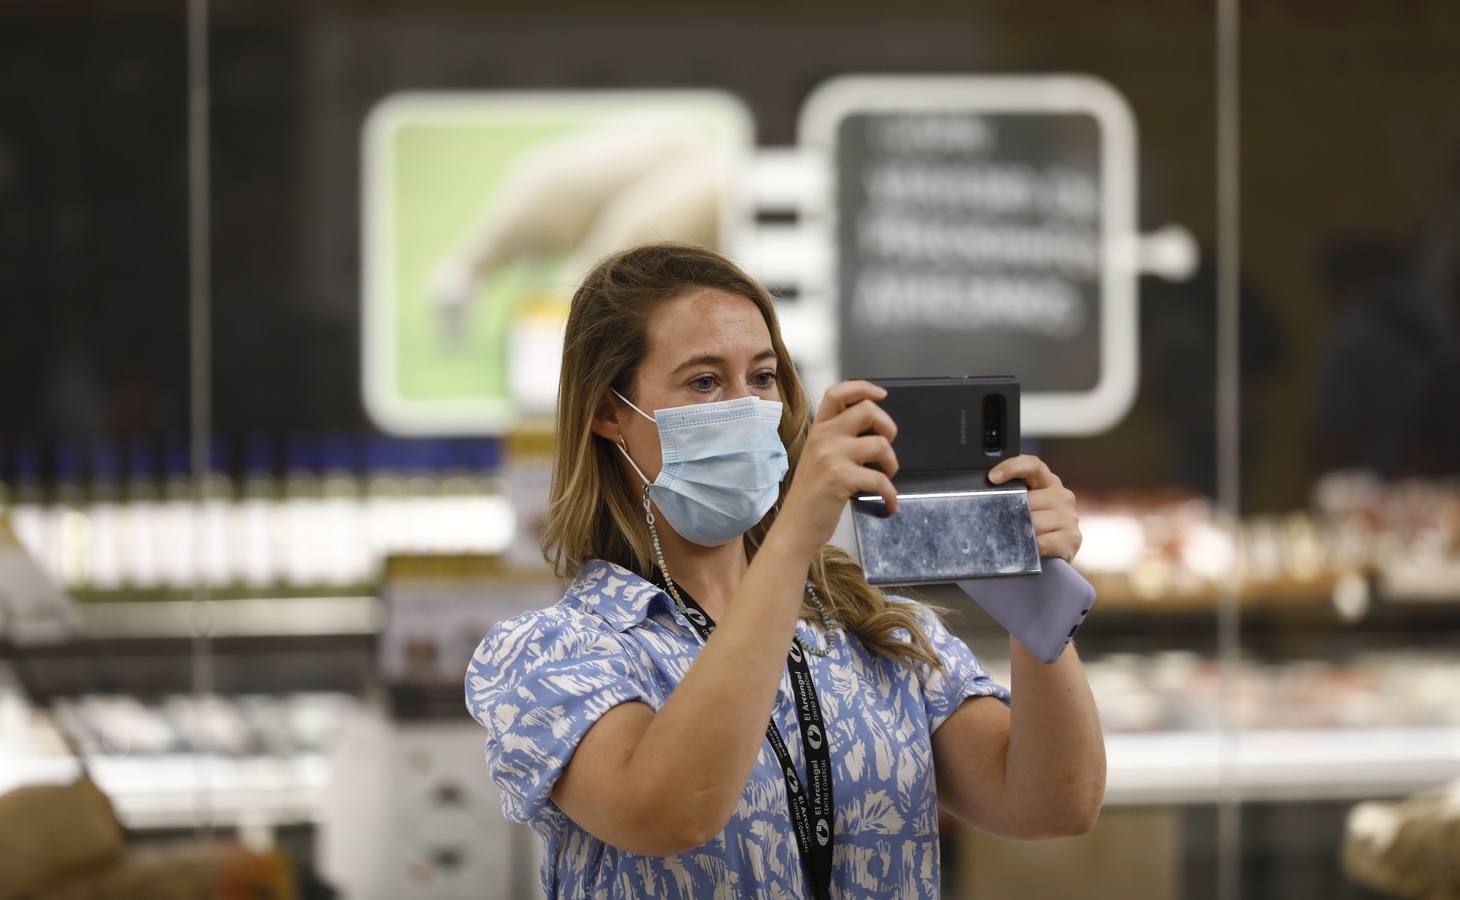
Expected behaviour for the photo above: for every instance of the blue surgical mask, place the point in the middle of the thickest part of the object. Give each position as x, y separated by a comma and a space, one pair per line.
722, 466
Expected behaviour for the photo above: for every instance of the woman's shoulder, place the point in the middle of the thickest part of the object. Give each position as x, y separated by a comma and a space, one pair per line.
582, 622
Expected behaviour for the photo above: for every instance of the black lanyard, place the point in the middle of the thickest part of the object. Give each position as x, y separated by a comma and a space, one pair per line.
811, 811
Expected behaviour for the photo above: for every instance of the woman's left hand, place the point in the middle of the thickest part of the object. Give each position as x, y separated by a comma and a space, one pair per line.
1052, 505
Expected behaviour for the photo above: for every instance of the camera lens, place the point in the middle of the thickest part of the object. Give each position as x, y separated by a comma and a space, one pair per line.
993, 424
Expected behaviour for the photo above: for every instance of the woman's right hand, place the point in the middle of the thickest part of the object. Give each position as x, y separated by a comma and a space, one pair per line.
831, 470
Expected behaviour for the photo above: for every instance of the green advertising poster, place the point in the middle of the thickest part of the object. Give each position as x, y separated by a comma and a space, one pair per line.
482, 210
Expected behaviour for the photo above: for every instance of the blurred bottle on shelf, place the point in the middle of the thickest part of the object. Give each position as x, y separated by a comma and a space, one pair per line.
259, 544
303, 513
418, 524
216, 550
342, 505
475, 515
385, 498
104, 513
28, 513
343, 551
69, 527
143, 537
177, 520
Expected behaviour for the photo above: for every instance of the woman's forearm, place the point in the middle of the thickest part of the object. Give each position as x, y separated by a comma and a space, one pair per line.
1055, 767
705, 739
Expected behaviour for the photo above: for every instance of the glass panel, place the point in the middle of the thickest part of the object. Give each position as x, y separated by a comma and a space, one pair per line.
1351, 440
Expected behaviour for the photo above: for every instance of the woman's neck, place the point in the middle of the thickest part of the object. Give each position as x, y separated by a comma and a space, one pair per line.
710, 574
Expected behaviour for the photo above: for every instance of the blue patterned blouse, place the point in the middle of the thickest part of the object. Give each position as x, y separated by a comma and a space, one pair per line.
539, 681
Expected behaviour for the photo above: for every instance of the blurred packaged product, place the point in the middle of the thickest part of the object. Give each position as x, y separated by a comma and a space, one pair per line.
1180, 691
1170, 551
115, 725
535, 355
50, 832
1409, 848
65, 842
208, 724
527, 473
1407, 532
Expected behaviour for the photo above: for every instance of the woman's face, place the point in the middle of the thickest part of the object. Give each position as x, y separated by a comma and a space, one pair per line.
705, 346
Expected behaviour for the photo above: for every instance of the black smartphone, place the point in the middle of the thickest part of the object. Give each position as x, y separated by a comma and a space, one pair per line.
953, 523
952, 424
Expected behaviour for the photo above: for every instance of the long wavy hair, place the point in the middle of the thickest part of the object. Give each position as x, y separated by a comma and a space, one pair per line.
594, 513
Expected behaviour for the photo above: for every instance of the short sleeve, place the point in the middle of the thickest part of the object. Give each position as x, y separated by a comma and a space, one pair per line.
962, 677
537, 683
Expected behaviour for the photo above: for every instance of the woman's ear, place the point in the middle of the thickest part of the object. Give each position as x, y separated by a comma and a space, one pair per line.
605, 418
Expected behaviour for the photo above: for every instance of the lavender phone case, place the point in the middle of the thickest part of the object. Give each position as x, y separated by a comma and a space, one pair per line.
1042, 611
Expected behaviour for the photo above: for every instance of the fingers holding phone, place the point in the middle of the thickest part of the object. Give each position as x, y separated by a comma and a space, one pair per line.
850, 432
1051, 505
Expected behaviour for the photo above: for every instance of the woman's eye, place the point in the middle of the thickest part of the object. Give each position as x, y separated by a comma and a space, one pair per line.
764, 379
703, 383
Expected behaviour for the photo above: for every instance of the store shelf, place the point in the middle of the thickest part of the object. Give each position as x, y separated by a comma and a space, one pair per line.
267, 645
283, 617
1271, 766
185, 790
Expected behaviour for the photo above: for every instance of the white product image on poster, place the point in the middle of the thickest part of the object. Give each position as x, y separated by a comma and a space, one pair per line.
560, 179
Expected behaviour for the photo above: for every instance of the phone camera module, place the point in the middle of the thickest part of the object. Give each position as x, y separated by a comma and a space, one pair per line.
993, 424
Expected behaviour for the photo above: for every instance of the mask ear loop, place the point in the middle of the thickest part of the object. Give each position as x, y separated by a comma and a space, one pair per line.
634, 407
624, 449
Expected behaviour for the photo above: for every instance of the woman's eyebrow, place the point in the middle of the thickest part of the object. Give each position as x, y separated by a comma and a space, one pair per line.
710, 359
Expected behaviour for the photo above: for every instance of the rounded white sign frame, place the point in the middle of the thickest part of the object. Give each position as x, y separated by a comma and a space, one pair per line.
1042, 413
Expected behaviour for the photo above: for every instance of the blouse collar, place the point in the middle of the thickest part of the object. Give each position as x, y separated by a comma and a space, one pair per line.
622, 597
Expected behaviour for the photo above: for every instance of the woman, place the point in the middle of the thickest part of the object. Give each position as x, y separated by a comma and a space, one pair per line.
692, 501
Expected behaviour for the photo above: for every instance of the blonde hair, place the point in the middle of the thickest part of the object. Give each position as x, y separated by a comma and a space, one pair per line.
594, 513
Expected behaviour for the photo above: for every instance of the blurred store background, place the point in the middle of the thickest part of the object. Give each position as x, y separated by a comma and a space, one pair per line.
243, 605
